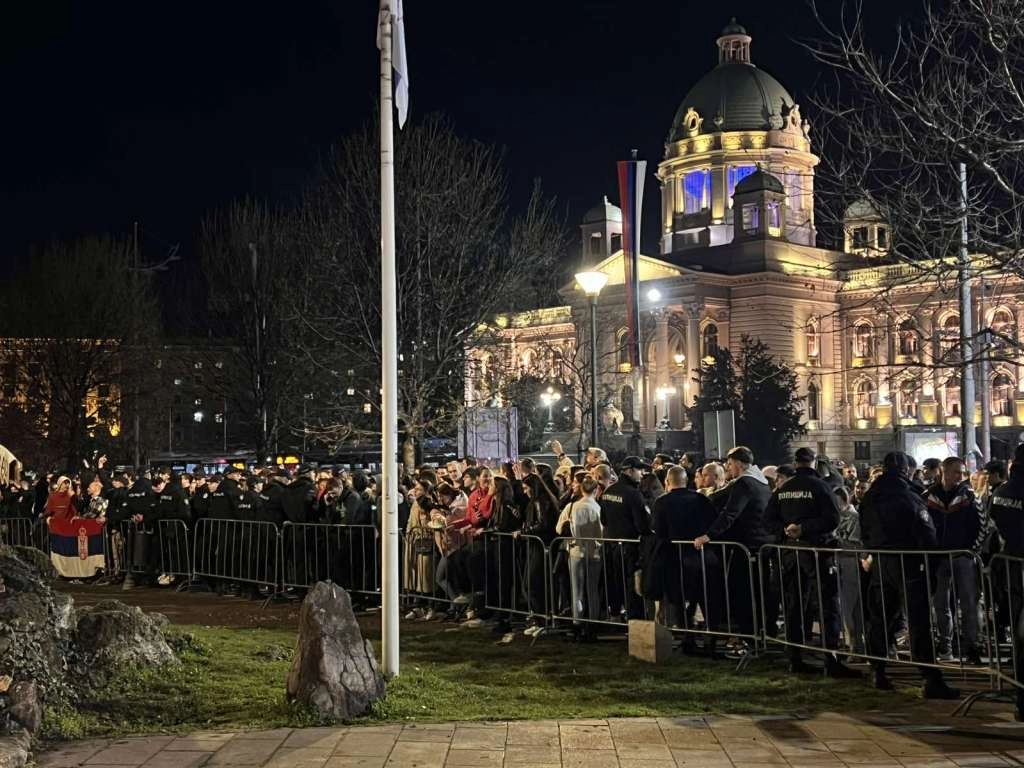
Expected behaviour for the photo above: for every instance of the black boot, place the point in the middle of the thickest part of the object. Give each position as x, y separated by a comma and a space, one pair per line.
881, 680
935, 688
798, 666
836, 669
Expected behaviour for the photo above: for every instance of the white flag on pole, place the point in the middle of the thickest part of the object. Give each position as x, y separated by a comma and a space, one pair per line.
398, 60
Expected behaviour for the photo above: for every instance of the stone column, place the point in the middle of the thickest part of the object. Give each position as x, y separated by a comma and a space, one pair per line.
692, 352
722, 321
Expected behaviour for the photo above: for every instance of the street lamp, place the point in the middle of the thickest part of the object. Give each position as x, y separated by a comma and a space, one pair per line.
591, 284
549, 398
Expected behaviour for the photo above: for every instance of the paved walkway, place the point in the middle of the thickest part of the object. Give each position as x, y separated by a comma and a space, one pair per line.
703, 742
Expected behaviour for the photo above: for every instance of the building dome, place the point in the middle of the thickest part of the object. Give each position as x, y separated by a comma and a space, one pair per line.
759, 181
734, 96
603, 211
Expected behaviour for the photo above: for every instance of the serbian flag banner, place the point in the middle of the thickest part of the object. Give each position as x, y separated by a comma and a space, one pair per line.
76, 547
631, 197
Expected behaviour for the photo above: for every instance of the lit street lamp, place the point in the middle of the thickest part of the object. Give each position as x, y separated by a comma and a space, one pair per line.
662, 393
591, 283
549, 398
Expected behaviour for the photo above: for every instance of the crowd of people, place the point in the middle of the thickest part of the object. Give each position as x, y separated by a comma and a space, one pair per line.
721, 551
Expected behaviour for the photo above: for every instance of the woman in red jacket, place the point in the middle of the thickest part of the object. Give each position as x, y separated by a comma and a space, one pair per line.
61, 501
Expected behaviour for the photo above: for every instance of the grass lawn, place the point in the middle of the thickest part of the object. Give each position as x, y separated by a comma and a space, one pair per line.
234, 678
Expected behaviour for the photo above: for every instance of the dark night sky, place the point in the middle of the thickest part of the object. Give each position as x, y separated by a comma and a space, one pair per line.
119, 111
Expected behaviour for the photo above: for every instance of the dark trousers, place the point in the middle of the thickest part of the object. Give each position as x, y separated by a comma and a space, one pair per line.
619, 566
697, 581
535, 567
811, 591
742, 598
896, 587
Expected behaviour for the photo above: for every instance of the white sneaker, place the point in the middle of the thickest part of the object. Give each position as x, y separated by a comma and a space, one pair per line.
461, 600
507, 638
470, 614
413, 614
473, 623
531, 631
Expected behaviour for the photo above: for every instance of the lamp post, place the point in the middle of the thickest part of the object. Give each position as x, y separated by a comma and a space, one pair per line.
591, 284
549, 398
661, 393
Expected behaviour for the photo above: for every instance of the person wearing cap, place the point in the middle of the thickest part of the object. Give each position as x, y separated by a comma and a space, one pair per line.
893, 516
804, 513
741, 520
172, 505
1006, 507
142, 552
624, 516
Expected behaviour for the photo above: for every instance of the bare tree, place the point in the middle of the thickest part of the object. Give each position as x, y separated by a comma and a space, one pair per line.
461, 259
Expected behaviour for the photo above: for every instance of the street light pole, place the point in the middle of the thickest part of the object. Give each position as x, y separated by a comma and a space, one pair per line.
592, 282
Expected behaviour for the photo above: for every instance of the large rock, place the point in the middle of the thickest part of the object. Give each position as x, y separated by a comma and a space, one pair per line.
14, 749
334, 670
113, 635
25, 705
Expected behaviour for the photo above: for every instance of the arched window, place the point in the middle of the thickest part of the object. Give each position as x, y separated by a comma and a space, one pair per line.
1002, 395
864, 400
813, 402
1004, 327
949, 337
527, 358
709, 339
626, 406
863, 340
907, 338
951, 397
677, 347
622, 346
907, 396
813, 343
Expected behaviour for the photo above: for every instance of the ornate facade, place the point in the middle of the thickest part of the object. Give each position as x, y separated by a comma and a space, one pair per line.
874, 342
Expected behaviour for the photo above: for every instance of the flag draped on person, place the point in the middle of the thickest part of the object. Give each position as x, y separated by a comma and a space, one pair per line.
398, 59
631, 195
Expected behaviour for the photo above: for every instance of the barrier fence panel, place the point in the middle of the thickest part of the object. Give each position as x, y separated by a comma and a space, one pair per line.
237, 551
23, 532
344, 554
175, 543
1004, 588
597, 578
516, 572
721, 581
918, 607
139, 545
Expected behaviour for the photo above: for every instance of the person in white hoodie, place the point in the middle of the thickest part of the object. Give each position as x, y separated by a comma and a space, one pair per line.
582, 517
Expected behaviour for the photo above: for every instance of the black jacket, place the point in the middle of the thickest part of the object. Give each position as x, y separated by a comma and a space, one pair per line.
805, 500
1006, 507
893, 515
117, 505
623, 513
224, 501
682, 515
742, 517
172, 504
271, 510
300, 500
956, 514
142, 501
249, 506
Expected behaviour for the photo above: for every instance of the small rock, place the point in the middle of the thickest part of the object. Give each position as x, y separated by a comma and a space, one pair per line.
5, 683
25, 706
334, 670
117, 635
274, 653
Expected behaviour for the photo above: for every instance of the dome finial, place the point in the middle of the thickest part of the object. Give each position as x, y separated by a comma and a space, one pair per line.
734, 43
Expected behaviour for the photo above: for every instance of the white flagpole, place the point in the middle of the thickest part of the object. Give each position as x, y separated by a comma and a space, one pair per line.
389, 359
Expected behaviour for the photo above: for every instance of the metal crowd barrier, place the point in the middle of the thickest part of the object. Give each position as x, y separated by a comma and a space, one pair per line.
23, 532
237, 551
860, 600
348, 555
175, 542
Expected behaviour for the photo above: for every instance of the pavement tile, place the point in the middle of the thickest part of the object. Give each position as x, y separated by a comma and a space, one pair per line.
475, 757
820, 762
712, 758
933, 761
132, 752
177, 760
623, 732
275, 733
681, 738
245, 751
491, 737
636, 751
299, 756
629, 762
70, 755
802, 747
585, 721
418, 754
587, 737
527, 754
589, 758
356, 761
692, 723
533, 734
361, 744
322, 738
979, 760
857, 750
427, 732
205, 743
755, 755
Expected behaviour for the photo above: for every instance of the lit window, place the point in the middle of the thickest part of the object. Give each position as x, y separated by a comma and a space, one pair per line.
350, 391
736, 174
951, 396
864, 400
751, 218
697, 191
908, 340
908, 397
367, 408
863, 340
813, 343
774, 219
1002, 395
860, 238
218, 418
710, 340
813, 402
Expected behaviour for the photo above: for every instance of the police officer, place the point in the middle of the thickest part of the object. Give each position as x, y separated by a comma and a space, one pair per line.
893, 516
624, 516
172, 506
804, 512
300, 496
1006, 507
226, 537
254, 543
140, 536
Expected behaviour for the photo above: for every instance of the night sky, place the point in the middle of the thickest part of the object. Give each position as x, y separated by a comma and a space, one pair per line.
159, 112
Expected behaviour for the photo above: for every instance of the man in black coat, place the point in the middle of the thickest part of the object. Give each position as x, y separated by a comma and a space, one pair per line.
624, 516
741, 520
689, 577
804, 512
175, 516
893, 517
140, 535
1006, 507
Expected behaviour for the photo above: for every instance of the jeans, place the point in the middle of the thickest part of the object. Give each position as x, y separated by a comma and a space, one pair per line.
963, 581
585, 578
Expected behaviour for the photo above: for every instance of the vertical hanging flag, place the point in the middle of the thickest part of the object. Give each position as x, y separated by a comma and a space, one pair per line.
398, 59
631, 197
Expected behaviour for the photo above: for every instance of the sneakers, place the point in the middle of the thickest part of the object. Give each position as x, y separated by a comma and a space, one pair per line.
944, 653
533, 631
973, 657
936, 688
415, 613
461, 600
506, 638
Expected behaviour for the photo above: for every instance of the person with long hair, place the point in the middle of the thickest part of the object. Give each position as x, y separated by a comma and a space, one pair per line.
502, 580
420, 550
539, 526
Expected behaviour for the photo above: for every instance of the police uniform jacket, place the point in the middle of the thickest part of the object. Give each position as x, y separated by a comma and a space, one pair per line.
623, 513
249, 506
893, 515
271, 509
808, 501
300, 500
224, 501
172, 504
142, 501
117, 505
1006, 508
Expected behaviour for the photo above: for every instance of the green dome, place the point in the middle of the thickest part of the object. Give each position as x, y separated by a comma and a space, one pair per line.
741, 94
